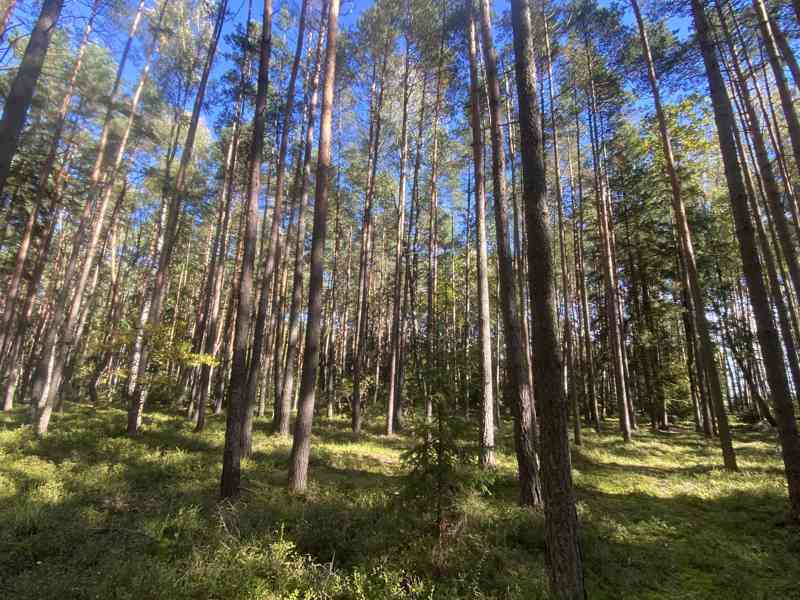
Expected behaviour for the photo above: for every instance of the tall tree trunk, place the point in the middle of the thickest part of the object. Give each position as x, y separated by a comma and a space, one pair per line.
759, 299
411, 257
287, 391
333, 365
431, 321
155, 296
301, 445
48, 373
394, 358
686, 246
364, 270
487, 457
18, 100
581, 277
467, 320
230, 486
525, 433
561, 521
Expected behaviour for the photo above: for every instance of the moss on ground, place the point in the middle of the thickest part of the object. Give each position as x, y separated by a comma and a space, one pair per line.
90, 513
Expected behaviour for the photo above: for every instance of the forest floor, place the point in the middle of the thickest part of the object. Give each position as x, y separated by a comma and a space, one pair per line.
89, 513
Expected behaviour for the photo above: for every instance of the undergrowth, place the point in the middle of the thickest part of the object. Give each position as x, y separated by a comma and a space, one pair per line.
89, 513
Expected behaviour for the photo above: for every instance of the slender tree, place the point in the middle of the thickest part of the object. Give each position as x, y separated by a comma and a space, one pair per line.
395, 342
564, 561
686, 248
301, 444
230, 487
293, 342
18, 100
155, 296
519, 386
753, 271
484, 310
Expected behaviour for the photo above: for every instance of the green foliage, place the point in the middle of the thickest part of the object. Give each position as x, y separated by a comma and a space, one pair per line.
88, 513
438, 476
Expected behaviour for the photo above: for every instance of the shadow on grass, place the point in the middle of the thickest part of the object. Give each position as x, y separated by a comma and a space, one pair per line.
88, 504
130, 484
639, 545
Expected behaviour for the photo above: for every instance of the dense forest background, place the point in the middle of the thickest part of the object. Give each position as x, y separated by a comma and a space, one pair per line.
513, 277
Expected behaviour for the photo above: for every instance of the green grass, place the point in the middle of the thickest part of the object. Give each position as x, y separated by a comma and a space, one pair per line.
89, 513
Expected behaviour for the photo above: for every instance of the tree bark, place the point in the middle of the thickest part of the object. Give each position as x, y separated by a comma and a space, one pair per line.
686, 247
20, 95
759, 299
301, 445
564, 562
287, 391
487, 457
525, 433
230, 486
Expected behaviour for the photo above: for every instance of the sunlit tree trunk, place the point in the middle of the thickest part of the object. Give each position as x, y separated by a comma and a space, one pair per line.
301, 445
287, 391
394, 358
230, 486
487, 456
19, 97
686, 247
517, 371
